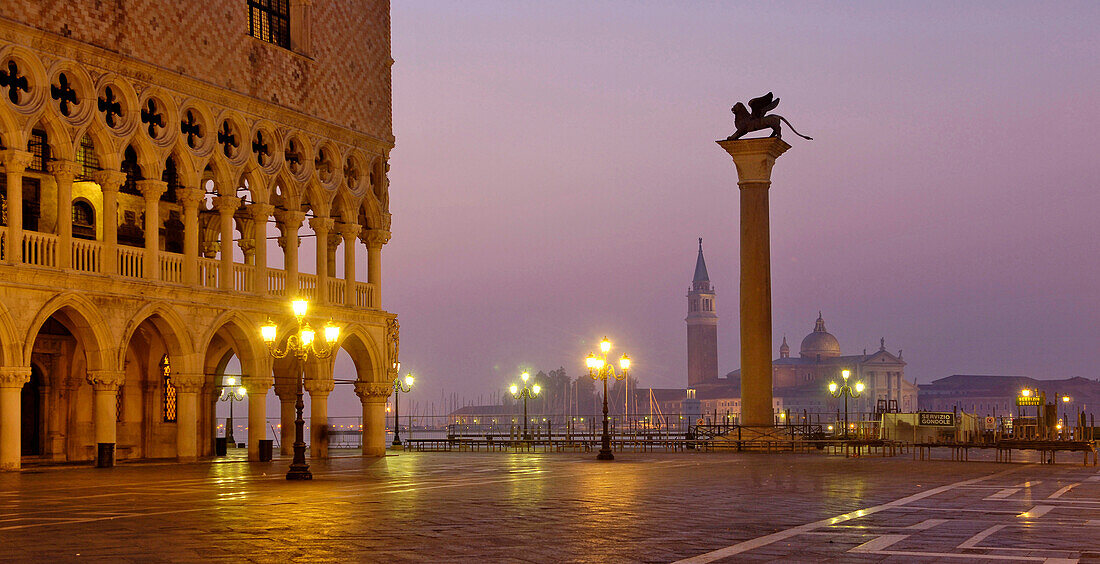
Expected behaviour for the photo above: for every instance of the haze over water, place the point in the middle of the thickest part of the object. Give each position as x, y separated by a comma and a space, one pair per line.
555, 163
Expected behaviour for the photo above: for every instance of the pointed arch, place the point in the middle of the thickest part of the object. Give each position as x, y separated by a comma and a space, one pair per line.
86, 323
10, 353
173, 329
57, 133
243, 333
357, 341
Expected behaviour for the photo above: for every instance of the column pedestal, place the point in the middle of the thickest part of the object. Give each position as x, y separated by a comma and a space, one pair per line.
754, 159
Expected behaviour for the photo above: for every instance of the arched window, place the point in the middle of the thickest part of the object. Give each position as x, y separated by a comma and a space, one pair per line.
86, 158
83, 220
169, 390
133, 172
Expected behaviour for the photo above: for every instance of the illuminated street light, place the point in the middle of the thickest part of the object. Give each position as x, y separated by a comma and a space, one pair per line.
231, 392
846, 391
398, 387
600, 369
526, 392
300, 346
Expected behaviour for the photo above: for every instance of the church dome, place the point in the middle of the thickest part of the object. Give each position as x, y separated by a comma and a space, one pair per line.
820, 343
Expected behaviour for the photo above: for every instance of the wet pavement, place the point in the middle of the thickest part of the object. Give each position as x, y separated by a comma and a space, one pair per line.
498, 507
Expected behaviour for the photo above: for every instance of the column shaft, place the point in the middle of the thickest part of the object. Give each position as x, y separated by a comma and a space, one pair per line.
64, 172
321, 227
109, 182
286, 424
260, 215
190, 198
15, 162
11, 417
348, 232
226, 206
152, 190
318, 425
373, 395
374, 273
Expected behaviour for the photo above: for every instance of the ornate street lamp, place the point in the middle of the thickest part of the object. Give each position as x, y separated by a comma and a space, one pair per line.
525, 393
300, 345
846, 391
600, 369
398, 387
231, 392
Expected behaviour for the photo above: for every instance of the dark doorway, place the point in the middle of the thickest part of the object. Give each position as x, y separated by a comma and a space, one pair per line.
32, 414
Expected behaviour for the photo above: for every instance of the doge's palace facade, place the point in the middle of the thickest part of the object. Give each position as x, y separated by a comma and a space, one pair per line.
150, 150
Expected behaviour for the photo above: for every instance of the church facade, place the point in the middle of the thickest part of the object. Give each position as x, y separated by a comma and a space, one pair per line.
146, 166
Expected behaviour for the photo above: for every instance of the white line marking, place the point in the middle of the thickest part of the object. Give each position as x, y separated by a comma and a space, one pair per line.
927, 524
1059, 493
975, 556
879, 543
973, 541
1037, 511
1028, 484
765, 540
1003, 494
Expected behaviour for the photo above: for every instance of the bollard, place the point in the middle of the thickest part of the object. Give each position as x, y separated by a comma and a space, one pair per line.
105, 457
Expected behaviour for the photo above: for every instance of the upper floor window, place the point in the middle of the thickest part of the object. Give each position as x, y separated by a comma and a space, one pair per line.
269, 20
39, 148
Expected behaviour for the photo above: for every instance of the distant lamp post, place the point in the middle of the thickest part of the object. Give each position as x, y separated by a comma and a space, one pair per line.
300, 345
232, 391
600, 369
526, 392
845, 390
398, 387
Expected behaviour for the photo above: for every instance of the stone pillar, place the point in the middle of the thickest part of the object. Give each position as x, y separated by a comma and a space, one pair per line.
321, 227
373, 395
64, 172
15, 162
226, 206
349, 231
152, 190
188, 386
754, 159
190, 198
375, 239
260, 214
109, 182
257, 387
289, 222
11, 417
105, 385
286, 375
319, 389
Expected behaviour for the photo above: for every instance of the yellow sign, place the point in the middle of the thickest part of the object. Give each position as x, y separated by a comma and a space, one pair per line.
1027, 400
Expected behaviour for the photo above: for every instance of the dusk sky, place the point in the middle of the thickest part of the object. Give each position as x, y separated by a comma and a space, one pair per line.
555, 163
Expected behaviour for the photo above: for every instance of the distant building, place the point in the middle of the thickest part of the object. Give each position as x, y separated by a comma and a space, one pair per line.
996, 395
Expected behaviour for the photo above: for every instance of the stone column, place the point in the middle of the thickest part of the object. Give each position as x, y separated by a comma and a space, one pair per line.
289, 222
349, 232
257, 387
373, 395
226, 206
375, 239
319, 389
188, 386
109, 182
15, 162
260, 214
64, 172
190, 198
321, 227
152, 190
754, 159
105, 385
11, 419
286, 375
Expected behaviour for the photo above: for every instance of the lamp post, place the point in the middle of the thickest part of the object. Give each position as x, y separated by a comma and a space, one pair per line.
846, 391
600, 369
398, 387
300, 345
525, 393
231, 392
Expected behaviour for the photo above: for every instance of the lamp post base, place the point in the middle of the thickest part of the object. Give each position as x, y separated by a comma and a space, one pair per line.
605, 455
396, 442
297, 472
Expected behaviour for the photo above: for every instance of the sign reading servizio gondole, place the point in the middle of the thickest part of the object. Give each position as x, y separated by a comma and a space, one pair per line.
934, 419
1027, 400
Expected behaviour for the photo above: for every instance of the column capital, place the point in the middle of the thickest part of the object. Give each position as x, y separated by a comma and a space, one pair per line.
373, 391
318, 387
754, 158
188, 382
105, 380
349, 231
14, 376
258, 384
109, 180
290, 219
260, 212
152, 189
227, 204
322, 224
15, 160
374, 237
190, 197
63, 169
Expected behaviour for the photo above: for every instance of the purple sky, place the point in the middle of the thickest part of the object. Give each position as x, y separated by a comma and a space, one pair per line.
555, 163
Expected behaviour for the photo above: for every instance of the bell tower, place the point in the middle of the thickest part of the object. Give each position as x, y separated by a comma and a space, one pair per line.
702, 327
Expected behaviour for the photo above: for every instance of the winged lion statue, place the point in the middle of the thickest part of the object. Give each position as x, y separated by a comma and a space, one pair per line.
747, 121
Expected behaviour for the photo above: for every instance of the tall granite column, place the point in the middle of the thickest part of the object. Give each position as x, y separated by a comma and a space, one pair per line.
754, 159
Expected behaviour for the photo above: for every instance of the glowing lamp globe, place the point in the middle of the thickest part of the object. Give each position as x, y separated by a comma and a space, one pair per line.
845, 374
268, 330
514, 389
409, 380
536, 389
859, 387
306, 336
525, 376
299, 306
332, 333
832, 387
624, 362
605, 345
